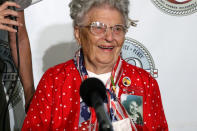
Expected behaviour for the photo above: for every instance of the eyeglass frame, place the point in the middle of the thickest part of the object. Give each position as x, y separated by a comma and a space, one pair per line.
90, 26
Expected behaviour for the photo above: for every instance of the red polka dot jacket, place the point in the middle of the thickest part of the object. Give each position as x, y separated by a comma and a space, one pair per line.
56, 102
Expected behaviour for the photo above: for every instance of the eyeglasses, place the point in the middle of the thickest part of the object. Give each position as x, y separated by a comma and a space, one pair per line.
100, 29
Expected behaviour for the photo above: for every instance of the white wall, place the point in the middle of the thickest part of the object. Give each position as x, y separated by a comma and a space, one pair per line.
171, 40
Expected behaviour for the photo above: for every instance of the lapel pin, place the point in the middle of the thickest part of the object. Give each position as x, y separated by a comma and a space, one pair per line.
126, 81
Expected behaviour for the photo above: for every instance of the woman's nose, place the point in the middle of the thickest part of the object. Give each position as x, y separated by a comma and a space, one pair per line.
109, 34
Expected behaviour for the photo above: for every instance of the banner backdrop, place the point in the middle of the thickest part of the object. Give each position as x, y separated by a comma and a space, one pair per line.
166, 28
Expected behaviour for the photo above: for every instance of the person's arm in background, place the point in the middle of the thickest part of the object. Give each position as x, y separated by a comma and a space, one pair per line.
26, 73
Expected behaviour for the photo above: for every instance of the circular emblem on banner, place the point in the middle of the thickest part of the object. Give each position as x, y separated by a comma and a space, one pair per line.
177, 7
136, 54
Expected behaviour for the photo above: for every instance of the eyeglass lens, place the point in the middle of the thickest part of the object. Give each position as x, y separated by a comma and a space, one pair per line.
98, 28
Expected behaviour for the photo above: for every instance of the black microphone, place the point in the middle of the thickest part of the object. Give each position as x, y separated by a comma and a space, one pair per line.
23, 4
93, 93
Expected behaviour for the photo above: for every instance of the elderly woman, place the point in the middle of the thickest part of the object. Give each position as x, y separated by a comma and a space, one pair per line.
99, 28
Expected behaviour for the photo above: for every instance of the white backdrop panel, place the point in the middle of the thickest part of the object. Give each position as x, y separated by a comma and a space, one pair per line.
171, 41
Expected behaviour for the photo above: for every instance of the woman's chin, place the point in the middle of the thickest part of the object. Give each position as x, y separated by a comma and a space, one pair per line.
106, 60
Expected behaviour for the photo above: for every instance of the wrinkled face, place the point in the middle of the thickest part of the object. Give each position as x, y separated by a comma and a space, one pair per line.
100, 50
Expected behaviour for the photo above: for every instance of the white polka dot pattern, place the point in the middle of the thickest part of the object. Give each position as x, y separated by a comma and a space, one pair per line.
56, 103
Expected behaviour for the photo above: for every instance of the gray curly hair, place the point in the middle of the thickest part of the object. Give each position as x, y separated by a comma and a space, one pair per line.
78, 8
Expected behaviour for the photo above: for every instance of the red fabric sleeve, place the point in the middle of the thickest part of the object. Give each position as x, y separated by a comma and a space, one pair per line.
155, 118
39, 113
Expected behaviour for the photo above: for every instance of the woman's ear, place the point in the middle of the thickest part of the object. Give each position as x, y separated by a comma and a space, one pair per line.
77, 34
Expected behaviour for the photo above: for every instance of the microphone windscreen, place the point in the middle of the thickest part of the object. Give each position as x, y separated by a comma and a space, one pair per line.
35, 1
91, 86
23, 3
